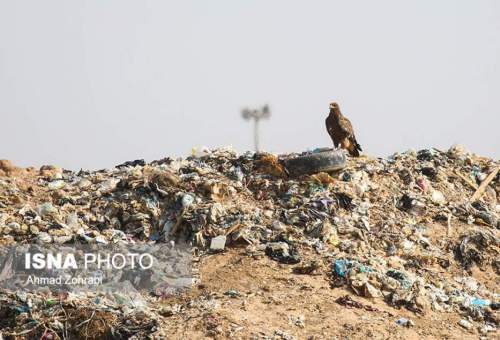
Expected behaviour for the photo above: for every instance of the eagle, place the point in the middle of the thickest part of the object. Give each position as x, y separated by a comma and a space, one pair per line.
340, 130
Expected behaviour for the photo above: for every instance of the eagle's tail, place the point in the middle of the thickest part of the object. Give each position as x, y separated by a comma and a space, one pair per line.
356, 149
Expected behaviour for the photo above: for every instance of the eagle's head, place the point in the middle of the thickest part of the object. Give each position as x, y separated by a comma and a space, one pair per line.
334, 106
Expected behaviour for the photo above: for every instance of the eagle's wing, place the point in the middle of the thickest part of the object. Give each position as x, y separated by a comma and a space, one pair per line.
353, 145
346, 126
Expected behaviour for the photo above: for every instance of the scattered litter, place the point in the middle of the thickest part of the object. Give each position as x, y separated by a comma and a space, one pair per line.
218, 243
283, 252
396, 230
299, 320
232, 293
405, 322
307, 268
347, 301
465, 324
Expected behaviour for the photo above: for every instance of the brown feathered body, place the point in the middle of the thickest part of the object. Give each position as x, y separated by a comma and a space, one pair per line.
340, 130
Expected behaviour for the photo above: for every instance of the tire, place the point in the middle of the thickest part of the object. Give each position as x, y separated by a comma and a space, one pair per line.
323, 161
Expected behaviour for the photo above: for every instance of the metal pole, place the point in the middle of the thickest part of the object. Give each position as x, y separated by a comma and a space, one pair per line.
256, 133
256, 115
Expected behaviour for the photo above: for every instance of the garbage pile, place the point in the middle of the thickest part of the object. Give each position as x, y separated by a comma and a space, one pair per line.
412, 230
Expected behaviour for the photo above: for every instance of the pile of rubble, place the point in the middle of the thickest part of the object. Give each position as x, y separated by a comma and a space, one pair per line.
411, 229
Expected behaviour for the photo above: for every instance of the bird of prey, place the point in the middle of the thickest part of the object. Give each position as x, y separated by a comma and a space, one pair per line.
340, 130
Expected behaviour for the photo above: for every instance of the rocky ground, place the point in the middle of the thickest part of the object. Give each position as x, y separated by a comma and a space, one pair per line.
403, 247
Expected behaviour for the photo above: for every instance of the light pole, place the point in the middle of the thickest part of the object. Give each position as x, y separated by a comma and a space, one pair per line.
256, 115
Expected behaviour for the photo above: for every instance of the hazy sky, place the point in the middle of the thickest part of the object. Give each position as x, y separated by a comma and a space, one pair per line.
94, 83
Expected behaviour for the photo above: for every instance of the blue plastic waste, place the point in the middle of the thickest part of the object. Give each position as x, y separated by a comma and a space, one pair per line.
22, 309
480, 302
343, 267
